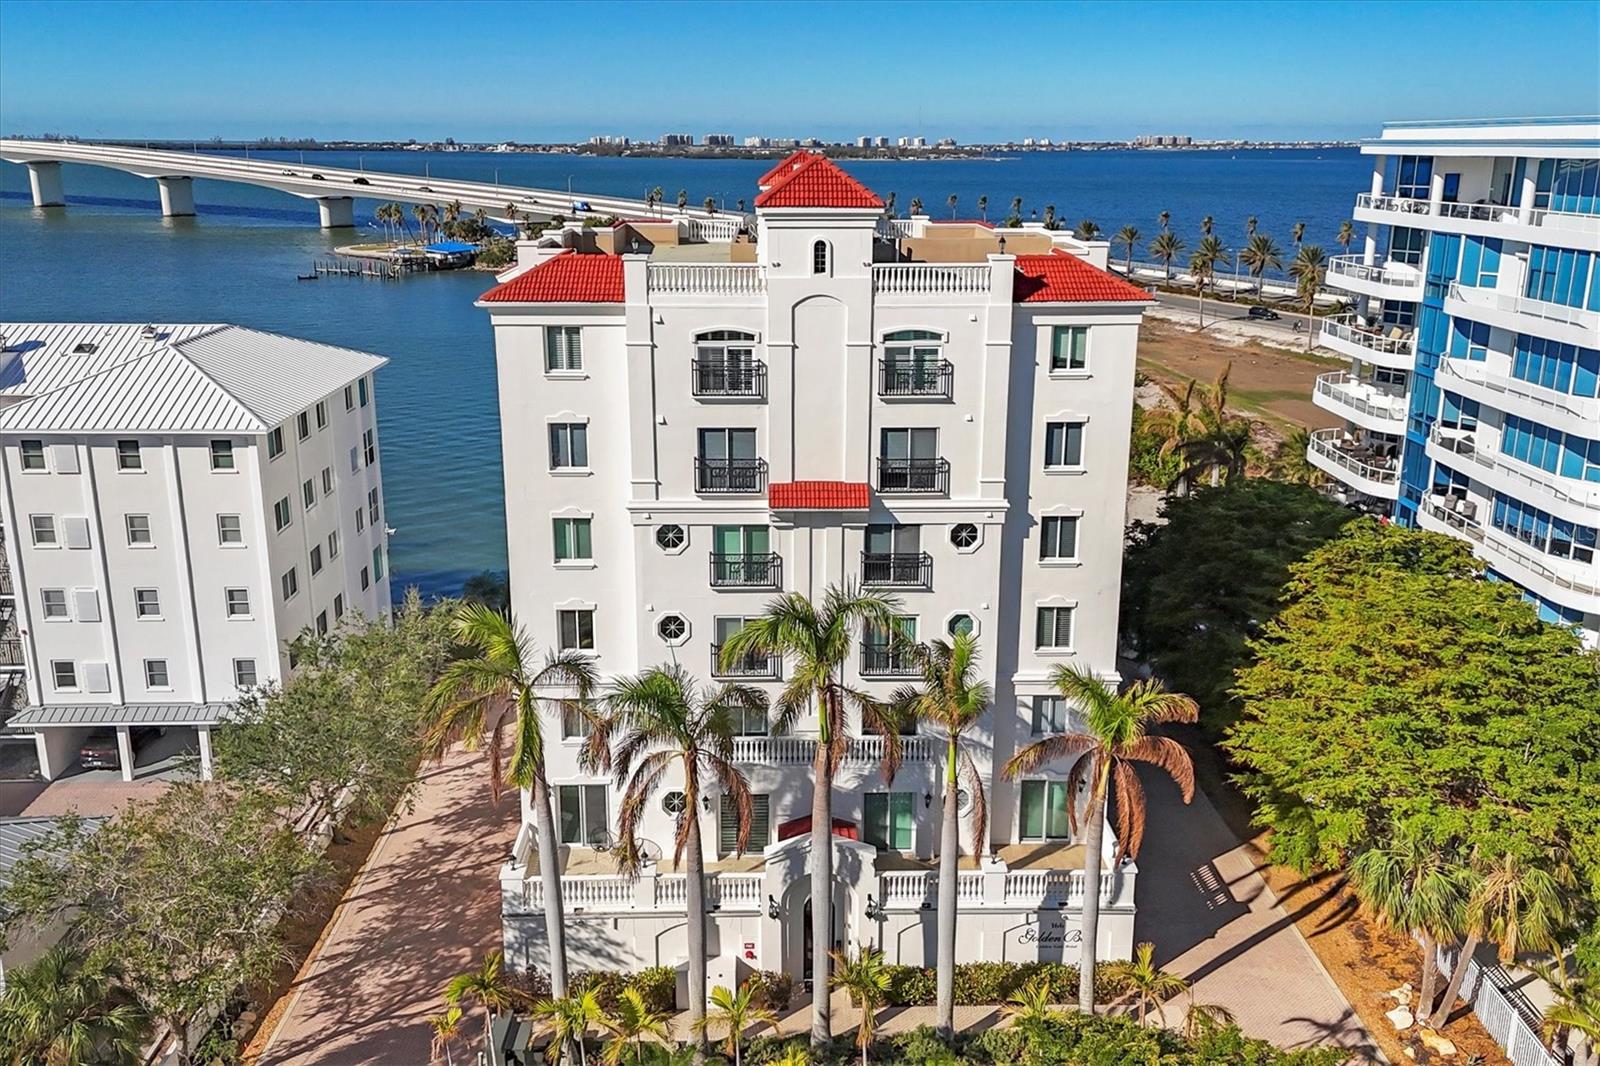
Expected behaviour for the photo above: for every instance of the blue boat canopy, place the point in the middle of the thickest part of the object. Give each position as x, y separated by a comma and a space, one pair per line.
450, 247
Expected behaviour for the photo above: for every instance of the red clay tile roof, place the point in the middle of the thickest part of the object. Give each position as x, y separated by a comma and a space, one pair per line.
781, 167
818, 496
1056, 277
568, 278
818, 182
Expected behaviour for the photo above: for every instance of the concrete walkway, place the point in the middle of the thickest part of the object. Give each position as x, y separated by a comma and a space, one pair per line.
424, 908
1215, 922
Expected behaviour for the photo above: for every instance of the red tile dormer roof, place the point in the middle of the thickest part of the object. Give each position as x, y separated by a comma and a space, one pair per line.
1057, 277
566, 278
819, 496
782, 167
817, 181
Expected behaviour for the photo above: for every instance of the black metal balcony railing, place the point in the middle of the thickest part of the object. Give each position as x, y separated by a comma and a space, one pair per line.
10, 652
898, 569
931, 380
930, 476
720, 378
883, 661
763, 571
753, 665
736, 476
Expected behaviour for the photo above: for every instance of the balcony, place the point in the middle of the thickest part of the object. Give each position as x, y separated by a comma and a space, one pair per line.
1355, 462
744, 571
1564, 497
1386, 281
1477, 379
1479, 219
707, 279
1523, 314
1378, 407
754, 666
1573, 583
929, 477
915, 381
730, 477
800, 749
932, 279
1393, 348
882, 661
897, 570
719, 379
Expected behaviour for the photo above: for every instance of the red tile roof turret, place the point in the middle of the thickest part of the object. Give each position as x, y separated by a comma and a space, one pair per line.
782, 167
1057, 277
567, 278
817, 181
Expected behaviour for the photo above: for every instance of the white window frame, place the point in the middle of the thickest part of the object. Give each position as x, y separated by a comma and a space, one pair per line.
571, 561
577, 611
1036, 725
128, 529
222, 533
1065, 421
1068, 371
1076, 558
563, 351
143, 597
1068, 648
47, 606
166, 681
219, 450
123, 467
238, 681
229, 600
565, 426
55, 675
38, 523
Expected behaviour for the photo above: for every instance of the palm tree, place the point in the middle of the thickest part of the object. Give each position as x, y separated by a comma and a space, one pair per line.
1221, 445
655, 197
487, 985
420, 211
1031, 1004
735, 1011
953, 698
1203, 267
683, 199
818, 641
1346, 236
916, 205
1116, 735
1516, 905
452, 217
1148, 985
65, 1008
1166, 247
1164, 218
632, 1026
952, 202
567, 1021
446, 1029
1176, 424
490, 689
656, 722
1409, 884
1015, 218
1206, 225
1260, 254
1289, 462
1250, 225
1203, 1018
866, 978
1576, 1008
1297, 233
793, 1055
983, 208
1308, 269
1088, 230
1128, 237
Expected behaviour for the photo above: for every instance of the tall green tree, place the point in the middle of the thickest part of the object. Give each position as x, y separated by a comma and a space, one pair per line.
1116, 735
658, 722
1308, 269
1346, 236
1166, 247
1128, 237
496, 686
1203, 263
66, 1009
1261, 254
952, 697
1220, 448
816, 639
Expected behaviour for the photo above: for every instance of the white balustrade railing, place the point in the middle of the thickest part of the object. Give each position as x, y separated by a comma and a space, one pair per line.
736, 891
708, 279
790, 750
1525, 305
1326, 443
1370, 399
1475, 372
1394, 275
713, 230
1345, 329
908, 888
894, 229
598, 891
932, 278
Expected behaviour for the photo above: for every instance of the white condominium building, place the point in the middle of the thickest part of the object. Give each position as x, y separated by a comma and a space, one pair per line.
700, 414
179, 501
1472, 402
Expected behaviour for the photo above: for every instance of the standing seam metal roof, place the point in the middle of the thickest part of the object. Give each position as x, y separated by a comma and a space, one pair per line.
122, 714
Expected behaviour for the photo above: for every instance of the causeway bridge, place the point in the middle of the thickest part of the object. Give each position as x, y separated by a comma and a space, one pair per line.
334, 190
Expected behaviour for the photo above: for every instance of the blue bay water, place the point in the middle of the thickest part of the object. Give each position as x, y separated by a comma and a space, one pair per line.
110, 257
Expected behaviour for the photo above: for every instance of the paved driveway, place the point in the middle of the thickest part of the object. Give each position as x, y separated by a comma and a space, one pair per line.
425, 908
1215, 922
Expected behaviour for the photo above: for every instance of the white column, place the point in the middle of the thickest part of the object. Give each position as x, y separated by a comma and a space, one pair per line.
1530, 189
45, 181
991, 481
1378, 163
177, 197
644, 470
336, 212
1435, 190
125, 751
204, 733
46, 769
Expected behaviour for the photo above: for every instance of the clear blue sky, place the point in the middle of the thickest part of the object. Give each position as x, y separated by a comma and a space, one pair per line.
975, 71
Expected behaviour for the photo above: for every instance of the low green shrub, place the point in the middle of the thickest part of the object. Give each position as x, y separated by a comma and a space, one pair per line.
658, 985
770, 990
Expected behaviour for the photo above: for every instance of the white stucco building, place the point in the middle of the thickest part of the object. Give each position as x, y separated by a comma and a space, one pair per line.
1472, 402
178, 501
698, 414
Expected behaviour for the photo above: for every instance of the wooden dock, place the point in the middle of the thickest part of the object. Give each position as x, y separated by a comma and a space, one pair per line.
385, 270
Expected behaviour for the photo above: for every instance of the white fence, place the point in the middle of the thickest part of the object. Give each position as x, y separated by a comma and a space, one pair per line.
1504, 1012
930, 278
708, 279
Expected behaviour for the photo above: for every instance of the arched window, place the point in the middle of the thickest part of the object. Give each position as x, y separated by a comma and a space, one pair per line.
819, 257
725, 364
913, 364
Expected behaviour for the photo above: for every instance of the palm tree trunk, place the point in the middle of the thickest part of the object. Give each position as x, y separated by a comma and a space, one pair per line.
1430, 975
550, 875
949, 859
695, 903
821, 883
1458, 975
1093, 834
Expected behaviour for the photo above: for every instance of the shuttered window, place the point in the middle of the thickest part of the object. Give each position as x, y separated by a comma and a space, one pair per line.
889, 820
563, 348
728, 825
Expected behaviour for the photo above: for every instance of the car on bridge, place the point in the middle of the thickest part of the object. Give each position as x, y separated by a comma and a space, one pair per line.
360, 181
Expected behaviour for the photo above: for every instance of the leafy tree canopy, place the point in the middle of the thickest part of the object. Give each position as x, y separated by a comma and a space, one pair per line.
1197, 588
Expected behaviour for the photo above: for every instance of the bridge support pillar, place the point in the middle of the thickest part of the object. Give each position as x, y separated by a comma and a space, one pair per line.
45, 181
337, 212
177, 196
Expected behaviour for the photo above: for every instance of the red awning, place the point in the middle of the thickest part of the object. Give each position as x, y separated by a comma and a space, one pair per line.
819, 496
842, 827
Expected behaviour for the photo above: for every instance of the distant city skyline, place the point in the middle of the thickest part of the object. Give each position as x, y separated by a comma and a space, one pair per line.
483, 71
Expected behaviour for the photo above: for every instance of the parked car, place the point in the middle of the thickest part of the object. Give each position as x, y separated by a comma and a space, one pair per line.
1267, 313
360, 181
99, 750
